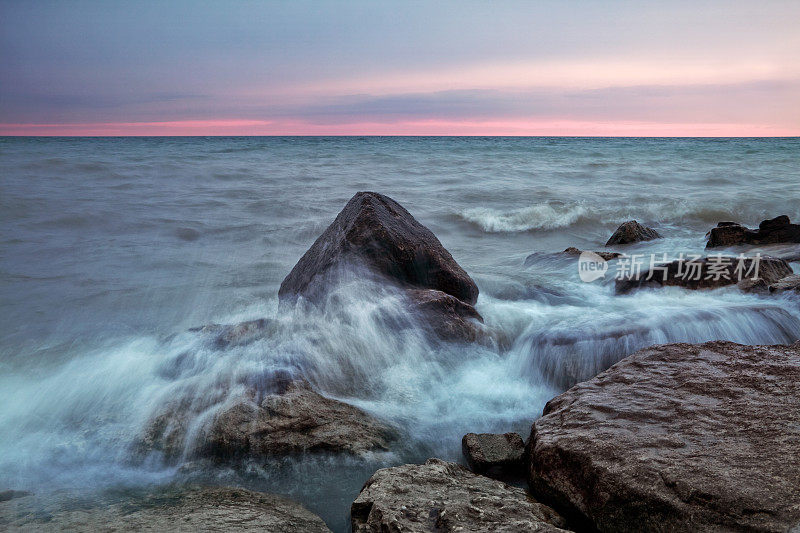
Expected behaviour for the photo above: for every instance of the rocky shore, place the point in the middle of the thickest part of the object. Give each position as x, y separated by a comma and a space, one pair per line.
675, 437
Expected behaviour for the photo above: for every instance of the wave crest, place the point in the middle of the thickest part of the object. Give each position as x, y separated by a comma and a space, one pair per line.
540, 216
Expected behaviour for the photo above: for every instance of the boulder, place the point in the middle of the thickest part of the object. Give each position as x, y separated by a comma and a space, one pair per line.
676, 437
496, 455
442, 496
771, 231
708, 273
608, 256
288, 418
789, 283
630, 232
447, 316
376, 232
169, 508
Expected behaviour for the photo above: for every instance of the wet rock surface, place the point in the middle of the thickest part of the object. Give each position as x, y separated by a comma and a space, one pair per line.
630, 232
772, 231
493, 454
225, 335
442, 496
789, 283
708, 273
608, 256
448, 317
677, 437
166, 509
379, 233
289, 418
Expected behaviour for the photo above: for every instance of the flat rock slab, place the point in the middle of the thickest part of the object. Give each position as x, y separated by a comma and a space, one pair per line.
166, 509
442, 496
677, 437
494, 453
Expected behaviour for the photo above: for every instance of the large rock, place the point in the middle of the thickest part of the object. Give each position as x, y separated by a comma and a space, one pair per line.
630, 232
677, 437
493, 454
375, 231
164, 509
707, 273
771, 231
288, 418
442, 496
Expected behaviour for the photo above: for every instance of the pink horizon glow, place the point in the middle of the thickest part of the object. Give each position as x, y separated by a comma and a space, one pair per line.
549, 128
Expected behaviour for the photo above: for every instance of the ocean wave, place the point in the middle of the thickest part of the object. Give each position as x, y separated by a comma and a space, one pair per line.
540, 216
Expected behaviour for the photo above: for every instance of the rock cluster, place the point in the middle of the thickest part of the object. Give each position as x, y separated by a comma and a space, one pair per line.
442, 496
630, 232
771, 231
676, 437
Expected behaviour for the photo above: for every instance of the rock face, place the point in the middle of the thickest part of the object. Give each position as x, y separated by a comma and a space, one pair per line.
375, 230
373, 233
288, 419
442, 496
630, 232
166, 509
608, 256
771, 231
494, 454
708, 273
677, 437
789, 283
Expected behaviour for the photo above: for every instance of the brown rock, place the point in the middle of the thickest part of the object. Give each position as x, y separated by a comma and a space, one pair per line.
494, 454
375, 231
771, 231
702, 273
450, 318
608, 256
442, 496
630, 232
677, 437
171, 508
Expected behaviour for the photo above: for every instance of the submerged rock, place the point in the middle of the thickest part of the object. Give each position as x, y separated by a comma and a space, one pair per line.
288, 418
608, 256
494, 454
630, 232
708, 273
375, 231
442, 496
6, 495
376, 235
677, 437
772, 231
165, 509
789, 283
235, 334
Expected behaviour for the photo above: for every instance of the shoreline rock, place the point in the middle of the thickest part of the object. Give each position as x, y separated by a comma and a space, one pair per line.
630, 232
608, 256
494, 455
442, 496
676, 437
771, 231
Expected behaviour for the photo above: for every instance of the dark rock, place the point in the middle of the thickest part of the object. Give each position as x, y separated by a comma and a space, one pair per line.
168, 508
450, 318
442, 496
677, 437
608, 256
756, 286
235, 334
375, 231
288, 418
789, 283
630, 232
293, 421
6, 495
707, 273
494, 454
772, 231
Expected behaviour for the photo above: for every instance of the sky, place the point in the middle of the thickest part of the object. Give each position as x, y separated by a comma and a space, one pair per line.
637, 68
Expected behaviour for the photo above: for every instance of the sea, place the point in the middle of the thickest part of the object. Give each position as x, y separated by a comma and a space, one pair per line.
113, 249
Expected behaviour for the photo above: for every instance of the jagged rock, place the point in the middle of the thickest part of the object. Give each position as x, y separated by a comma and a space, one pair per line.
771, 231
789, 283
442, 496
630, 232
494, 454
608, 256
677, 437
168, 508
703, 273
375, 231
287, 418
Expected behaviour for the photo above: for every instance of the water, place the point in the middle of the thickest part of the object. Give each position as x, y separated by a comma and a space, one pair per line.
111, 249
